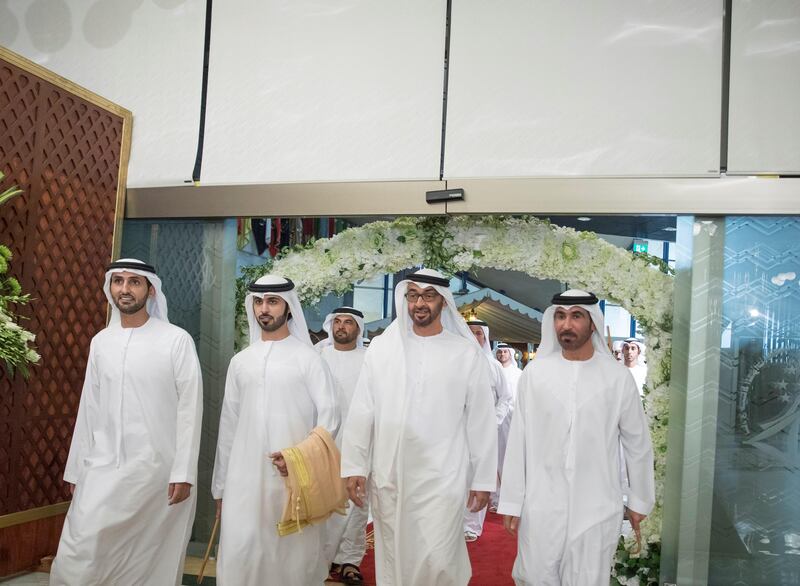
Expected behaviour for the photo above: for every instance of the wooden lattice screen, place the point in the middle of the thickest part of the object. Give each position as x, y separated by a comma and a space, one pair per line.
67, 150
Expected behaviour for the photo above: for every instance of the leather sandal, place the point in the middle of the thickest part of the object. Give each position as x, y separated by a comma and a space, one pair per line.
350, 574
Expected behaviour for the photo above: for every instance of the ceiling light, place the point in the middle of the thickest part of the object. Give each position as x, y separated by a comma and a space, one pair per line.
583, 218
754, 313
670, 229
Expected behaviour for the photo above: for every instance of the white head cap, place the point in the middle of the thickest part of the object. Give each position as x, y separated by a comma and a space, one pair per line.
344, 311
275, 286
424, 278
486, 347
156, 305
566, 300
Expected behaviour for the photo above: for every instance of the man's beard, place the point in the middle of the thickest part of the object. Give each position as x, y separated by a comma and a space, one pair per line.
570, 340
425, 318
269, 323
130, 309
342, 337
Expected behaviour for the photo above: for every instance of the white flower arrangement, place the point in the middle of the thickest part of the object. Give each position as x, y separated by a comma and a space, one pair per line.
526, 244
16, 343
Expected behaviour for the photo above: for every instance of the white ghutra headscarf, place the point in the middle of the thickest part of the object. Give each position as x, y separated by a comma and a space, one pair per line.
567, 300
156, 304
486, 346
344, 311
276, 286
424, 278
639, 344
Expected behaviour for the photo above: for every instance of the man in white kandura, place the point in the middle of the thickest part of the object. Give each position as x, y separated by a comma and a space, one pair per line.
561, 486
502, 397
633, 357
343, 351
512, 372
133, 459
422, 428
277, 390
505, 355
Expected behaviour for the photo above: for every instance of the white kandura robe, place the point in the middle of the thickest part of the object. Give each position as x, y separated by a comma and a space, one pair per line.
346, 540
138, 429
423, 444
562, 468
512, 374
503, 404
639, 374
275, 394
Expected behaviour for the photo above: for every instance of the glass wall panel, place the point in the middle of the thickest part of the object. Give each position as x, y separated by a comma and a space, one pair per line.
755, 529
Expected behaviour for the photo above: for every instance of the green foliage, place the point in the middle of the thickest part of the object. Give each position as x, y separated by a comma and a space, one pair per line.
656, 262
645, 565
434, 237
8, 194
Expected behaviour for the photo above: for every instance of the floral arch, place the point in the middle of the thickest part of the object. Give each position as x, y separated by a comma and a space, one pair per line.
641, 284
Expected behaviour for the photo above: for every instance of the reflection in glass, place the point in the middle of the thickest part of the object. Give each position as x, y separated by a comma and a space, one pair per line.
756, 515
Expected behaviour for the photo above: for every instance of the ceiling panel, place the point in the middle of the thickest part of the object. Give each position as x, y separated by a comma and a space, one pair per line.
764, 132
549, 88
324, 91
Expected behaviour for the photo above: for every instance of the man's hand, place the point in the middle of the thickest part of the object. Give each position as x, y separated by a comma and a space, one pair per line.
357, 489
477, 500
219, 508
178, 492
636, 520
511, 524
279, 463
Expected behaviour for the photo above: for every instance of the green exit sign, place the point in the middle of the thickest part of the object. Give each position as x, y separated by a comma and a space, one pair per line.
639, 246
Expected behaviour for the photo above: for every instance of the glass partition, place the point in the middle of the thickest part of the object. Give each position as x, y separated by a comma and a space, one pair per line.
755, 518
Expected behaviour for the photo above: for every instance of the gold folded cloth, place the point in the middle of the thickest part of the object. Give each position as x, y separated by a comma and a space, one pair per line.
314, 487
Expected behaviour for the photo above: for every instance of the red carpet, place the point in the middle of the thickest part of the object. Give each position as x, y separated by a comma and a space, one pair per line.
492, 556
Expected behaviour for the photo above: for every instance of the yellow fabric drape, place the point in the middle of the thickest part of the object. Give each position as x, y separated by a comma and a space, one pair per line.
314, 487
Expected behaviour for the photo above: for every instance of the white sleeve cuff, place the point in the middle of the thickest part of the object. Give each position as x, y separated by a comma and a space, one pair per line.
511, 509
639, 506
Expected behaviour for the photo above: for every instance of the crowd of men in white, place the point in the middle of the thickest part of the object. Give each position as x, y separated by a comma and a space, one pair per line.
423, 418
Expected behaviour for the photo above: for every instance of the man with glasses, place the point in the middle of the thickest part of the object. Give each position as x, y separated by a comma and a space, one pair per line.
420, 439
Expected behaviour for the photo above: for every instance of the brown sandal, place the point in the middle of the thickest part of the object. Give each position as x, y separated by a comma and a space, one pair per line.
334, 573
350, 574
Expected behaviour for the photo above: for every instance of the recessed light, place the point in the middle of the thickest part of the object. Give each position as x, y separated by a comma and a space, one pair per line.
583, 218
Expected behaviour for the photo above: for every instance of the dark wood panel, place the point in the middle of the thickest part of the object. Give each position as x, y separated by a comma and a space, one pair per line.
23, 546
64, 152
